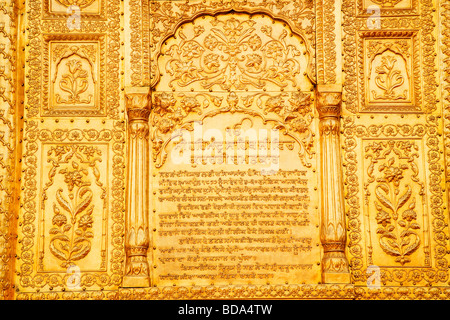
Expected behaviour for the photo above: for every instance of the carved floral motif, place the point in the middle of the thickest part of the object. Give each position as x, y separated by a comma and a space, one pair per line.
74, 82
395, 204
388, 78
165, 16
233, 54
73, 210
291, 113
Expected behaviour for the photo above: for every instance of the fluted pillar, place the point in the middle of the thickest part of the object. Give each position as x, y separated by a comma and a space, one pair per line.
332, 233
137, 206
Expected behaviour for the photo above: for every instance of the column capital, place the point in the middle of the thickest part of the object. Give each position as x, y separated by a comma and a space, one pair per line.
329, 97
137, 102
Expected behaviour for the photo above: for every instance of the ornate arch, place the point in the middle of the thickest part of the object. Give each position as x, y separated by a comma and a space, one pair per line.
290, 25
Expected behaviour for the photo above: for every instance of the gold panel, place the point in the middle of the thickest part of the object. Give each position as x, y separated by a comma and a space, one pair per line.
234, 177
209, 149
391, 72
74, 224
76, 76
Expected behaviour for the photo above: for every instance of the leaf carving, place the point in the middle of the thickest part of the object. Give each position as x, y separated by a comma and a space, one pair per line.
384, 201
388, 249
85, 201
63, 202
404, 198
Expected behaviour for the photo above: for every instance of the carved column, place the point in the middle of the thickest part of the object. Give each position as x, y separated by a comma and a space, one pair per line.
332, 233
137, 206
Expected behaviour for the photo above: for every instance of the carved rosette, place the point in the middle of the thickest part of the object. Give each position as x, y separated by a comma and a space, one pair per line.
332, 233
137, 224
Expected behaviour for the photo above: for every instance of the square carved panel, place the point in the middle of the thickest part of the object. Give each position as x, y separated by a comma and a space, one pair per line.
71, 8
389, 71
74, 77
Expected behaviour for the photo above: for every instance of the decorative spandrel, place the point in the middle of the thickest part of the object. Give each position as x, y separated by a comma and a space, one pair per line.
234, 52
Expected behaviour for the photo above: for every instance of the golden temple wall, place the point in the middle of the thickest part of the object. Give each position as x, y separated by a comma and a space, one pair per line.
93, 94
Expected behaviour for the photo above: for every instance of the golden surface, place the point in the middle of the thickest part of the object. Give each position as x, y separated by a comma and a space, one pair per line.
220, 150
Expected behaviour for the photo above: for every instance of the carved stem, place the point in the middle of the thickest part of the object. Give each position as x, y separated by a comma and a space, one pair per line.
137, 225
332, 233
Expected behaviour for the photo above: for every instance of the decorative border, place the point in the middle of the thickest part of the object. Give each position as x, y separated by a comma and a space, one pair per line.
445, 60
339, 292
9, 147
325, 42
98, 110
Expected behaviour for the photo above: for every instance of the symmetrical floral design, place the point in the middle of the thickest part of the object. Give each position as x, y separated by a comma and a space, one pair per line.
388, 78
233, 55
395, 204
397, 230
165, 16
291, 113
75, 82
73, 210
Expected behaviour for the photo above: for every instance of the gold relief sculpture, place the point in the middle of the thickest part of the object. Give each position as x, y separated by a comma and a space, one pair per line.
165, 17
235, 54
75, 83
71, 235
396, 210
96, 113
293, 116
390, 80
75, 72
389, 7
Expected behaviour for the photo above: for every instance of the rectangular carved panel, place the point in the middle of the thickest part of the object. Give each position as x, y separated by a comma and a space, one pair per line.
75, 76
395, 202
73, 216
222, 218
70, 234
390, 72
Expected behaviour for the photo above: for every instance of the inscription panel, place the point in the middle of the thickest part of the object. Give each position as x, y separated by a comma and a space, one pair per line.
238, 211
